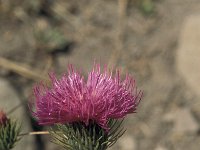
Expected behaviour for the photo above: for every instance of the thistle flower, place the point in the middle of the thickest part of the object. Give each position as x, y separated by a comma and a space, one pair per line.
86, 114
71, 99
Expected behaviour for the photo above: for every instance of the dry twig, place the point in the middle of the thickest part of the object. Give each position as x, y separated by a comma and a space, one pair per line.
21, 69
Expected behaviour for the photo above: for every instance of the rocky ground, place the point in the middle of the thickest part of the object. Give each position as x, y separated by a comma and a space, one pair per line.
157, 42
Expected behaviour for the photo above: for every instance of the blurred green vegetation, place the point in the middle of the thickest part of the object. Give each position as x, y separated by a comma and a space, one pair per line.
147, 6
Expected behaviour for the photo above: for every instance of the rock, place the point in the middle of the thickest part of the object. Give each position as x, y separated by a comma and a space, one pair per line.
188, 54
127, 142
184, 121
160, 148
8, 100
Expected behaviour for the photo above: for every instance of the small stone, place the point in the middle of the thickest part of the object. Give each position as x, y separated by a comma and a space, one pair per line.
41, 24
19, 13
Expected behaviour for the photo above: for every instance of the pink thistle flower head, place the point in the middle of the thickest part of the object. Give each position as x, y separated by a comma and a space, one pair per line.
101, 97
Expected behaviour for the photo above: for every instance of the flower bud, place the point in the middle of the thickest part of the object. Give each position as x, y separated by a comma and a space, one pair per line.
3, 118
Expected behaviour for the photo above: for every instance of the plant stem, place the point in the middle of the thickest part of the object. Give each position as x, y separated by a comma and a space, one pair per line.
35, 133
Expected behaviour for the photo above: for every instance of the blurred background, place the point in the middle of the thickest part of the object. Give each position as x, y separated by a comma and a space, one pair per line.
156, 41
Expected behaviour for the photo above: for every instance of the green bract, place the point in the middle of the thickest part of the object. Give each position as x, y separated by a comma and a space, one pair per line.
77, 136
